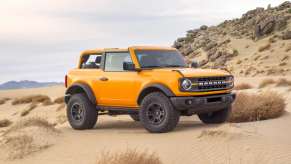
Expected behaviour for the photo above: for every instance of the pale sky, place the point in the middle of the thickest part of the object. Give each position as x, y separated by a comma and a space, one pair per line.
41, 39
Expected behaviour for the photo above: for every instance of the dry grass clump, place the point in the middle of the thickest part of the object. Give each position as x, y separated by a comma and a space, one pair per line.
266, 82
28, 109
288, 48
3, 100
264, 47
5, 123
59, 100
32, 99
243, 86
283, 82
31, 122
283, 64
239, 62
128, 157
26, 137
254, 107
21, 146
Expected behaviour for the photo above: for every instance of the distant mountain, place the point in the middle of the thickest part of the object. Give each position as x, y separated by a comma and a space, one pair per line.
26, 84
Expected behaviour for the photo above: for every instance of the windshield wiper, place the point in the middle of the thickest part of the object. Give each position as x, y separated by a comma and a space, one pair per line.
151, 66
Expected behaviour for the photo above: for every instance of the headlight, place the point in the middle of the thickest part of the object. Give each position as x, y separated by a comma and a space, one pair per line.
186, 84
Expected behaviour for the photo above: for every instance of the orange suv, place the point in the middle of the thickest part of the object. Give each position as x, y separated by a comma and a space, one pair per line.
151, 84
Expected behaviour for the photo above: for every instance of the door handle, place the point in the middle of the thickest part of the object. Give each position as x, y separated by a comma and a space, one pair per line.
103, 78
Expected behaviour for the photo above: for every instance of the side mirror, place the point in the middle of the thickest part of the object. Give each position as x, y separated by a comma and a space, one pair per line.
194, 64
128, 66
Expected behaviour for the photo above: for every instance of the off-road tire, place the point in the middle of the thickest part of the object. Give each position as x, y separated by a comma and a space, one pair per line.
135, 117
90, 113
170, 115
215, 117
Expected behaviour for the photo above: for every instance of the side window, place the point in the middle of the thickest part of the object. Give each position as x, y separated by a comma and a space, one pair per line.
91, 61
114, 61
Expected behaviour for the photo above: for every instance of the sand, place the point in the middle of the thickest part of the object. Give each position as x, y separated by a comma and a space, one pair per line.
265, 142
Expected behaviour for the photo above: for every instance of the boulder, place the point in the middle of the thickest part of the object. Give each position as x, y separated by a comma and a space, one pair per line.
210, 45
203, 62
284, 5
181, 39
286, 35
177, 44
281, 23
203, 27
187, 50
265, 27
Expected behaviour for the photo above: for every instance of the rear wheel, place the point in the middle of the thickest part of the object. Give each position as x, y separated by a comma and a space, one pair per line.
215, 117
135, 117
157, 113
81, 113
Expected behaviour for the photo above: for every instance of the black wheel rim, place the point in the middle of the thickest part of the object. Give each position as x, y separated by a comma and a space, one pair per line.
77, 112
155, 114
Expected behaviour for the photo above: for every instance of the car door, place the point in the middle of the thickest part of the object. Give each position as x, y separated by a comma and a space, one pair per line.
118, 87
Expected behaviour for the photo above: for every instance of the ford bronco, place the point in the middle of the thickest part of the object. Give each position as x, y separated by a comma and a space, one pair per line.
151, 84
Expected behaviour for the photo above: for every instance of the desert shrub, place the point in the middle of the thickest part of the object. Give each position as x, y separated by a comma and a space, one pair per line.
128, 157
254, 107
26, 137
47, 103
283, 64
257, 57
31, 99
264, 47
3, 100
235, 52
239, 62
283, 82
288, 48
31, 122
5, 123
22, 145
28, 109
286, 57
242, 86
59, 100
266, 82
289, 11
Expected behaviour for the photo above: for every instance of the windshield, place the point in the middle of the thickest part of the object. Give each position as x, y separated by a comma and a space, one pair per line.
162, 58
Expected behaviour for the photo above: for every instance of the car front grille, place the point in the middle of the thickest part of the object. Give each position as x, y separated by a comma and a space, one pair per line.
211, 83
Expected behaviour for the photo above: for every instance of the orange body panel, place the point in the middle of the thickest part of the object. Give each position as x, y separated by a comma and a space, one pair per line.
123, 88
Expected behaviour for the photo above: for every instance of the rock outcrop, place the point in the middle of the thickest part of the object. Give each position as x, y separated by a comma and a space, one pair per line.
212, 46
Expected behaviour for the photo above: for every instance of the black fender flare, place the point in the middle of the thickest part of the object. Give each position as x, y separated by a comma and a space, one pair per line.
80, 88
149, 88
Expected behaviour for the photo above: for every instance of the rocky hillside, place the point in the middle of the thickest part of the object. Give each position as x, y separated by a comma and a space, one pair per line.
258, 43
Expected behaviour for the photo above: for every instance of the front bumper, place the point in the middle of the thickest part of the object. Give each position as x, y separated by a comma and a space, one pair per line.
203, 104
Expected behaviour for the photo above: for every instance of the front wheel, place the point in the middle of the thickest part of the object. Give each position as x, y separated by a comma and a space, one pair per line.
81, 113
157, 114
215, 117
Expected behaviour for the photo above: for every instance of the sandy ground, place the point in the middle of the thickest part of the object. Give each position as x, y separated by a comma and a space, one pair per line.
191, 142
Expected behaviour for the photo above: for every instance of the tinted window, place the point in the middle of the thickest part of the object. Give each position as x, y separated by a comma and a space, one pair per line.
114, 60
91, 61
154, 58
